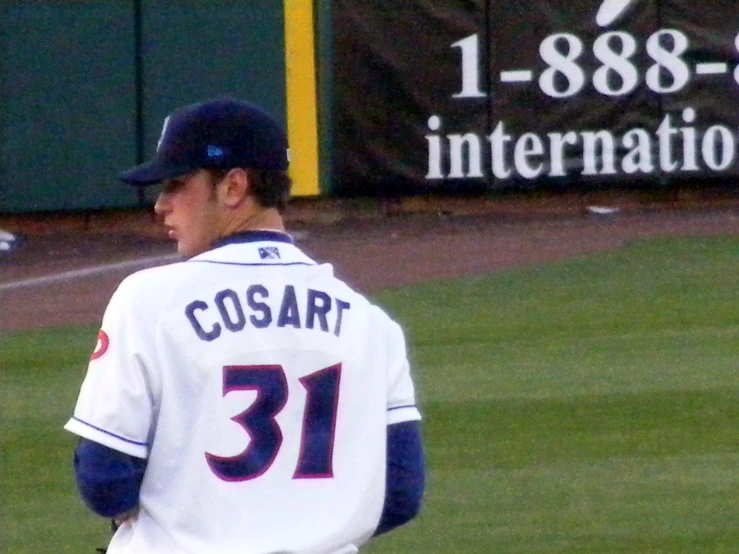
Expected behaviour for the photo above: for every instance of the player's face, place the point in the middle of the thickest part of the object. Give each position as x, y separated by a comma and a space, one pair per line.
190, 211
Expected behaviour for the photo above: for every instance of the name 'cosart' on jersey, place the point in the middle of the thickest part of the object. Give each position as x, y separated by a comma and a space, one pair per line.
227, 310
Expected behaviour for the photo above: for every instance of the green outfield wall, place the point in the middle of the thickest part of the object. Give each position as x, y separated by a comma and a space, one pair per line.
85, 86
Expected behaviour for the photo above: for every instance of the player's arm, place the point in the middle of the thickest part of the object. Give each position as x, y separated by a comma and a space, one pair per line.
114, 411
405, 476
108, 481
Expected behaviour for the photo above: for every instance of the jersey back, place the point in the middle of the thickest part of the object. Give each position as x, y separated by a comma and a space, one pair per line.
258, 386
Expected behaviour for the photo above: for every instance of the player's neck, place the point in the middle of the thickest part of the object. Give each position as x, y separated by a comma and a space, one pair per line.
268, 219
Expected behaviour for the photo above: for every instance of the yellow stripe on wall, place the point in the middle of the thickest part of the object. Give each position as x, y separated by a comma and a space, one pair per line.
302, 121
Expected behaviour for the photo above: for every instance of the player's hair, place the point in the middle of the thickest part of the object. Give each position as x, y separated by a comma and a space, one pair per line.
270, 187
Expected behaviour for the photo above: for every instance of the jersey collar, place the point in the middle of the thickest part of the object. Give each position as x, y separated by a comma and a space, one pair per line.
253, 236
257, 247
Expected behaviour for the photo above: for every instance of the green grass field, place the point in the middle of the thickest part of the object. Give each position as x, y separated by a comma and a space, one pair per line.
590, 406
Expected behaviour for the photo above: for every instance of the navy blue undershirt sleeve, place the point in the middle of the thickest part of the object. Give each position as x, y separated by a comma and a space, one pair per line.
108, 481
405, 476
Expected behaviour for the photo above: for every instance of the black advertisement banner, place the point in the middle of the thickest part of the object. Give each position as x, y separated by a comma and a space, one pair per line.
442, 95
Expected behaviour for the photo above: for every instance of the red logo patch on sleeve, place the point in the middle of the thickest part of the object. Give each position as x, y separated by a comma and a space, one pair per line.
101, 347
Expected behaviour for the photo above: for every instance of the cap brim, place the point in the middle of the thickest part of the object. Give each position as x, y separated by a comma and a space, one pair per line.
153, 172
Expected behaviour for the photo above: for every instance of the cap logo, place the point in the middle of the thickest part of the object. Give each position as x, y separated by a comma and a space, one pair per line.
215, 152
164, 130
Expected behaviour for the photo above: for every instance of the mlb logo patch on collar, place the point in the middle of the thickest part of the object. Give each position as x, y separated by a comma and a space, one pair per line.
269, 253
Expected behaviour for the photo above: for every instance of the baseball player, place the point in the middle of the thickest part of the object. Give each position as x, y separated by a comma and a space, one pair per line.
244, 400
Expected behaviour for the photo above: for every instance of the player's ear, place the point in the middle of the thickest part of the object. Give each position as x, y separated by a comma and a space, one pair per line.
234, 188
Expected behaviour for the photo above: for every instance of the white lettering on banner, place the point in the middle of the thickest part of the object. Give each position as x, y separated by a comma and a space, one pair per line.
527, 146
665, 132
670, 148
667, 60
598, 146
610, 11
688, 133
434, 143
718, 137
566, 76
470, 48
558, 142
464, 146
498, 140
618, 63
561, 63
569, 67
639, 157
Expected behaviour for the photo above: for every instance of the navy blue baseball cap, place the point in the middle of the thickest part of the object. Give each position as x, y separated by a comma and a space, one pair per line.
222, 133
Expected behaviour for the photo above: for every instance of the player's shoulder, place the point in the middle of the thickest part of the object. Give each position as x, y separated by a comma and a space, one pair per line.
343, 289
382, 319
377, 314
143, 295
156, 275
155, 281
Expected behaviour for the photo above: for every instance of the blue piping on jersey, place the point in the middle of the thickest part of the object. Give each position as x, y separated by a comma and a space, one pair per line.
401, 407
253, 236
237, 263
109, 433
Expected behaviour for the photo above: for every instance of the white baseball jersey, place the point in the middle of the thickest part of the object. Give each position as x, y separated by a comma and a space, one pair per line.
258, 386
